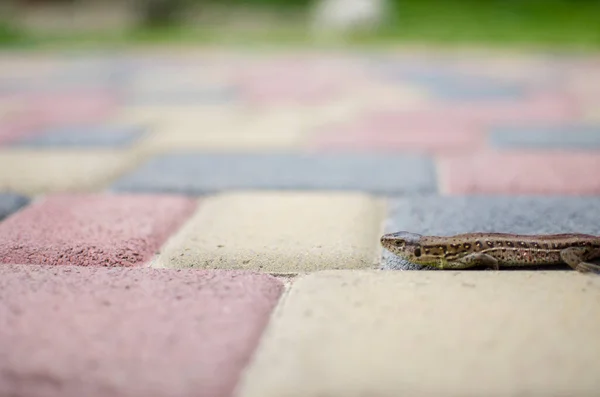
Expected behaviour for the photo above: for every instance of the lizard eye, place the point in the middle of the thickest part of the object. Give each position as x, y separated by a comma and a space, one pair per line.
418, 252
400, 243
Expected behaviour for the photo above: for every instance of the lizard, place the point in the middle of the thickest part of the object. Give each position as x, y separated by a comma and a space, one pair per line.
495, 250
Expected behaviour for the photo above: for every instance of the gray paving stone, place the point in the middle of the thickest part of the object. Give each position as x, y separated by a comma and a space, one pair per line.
182, 97
547, 137
85, 136
207, 173
10, 203
436, 215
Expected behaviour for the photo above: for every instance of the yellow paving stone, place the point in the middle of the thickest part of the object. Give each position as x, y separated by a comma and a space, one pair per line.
279, 232
431, 333
45, 171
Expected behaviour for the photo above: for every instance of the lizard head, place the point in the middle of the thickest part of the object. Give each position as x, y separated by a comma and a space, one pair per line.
404, 244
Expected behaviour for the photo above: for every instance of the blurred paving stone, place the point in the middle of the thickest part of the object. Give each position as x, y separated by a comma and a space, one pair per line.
559, 136
154, 97
208, 173
378, 131
522, 172
70, 107
100, 332
92, 229
10, 202
444, 216
85, 136
388, 334
280, 232
35, 172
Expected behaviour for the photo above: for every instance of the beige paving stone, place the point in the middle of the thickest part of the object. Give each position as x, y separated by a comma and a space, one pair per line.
46, 171
428, 333
244, 129
279, 232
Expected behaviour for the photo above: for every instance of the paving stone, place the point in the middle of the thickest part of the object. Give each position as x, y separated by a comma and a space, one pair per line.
539, 108
34, 172
434, 215
551, 172
368, 333
10, 202
92, 229
226, 131
546, 137
379, 132
208, 173
280, 232
95, 332
77, 106
85, 136
169, 97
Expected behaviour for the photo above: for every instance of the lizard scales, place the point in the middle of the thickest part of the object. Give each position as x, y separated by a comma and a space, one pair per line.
496, 250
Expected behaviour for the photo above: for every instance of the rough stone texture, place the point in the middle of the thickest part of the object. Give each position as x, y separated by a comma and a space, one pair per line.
208, 173
280, 232
522, 172
546, 137
445, 216
128, 332
10, 202
33, 172
92, 229
368, 333
85, 136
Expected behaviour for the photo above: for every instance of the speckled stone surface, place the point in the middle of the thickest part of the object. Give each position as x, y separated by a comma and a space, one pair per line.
92, 229
502, 214
101, 332
388, 334
209, 173
577, 136
10, 202
279, 232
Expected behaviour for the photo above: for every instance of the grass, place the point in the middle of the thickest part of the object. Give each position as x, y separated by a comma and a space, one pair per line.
543, 23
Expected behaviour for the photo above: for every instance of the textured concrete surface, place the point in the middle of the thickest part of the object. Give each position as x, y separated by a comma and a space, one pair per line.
445, 216
10, 203
85, 136
33, 172
92, 229
208, 173
520, 173
383, 334
279, 232
546, 137
128, 332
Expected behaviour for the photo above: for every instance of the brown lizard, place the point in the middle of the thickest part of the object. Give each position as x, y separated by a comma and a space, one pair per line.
495, 250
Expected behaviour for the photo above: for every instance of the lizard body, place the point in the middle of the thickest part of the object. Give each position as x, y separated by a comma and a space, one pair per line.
495, 250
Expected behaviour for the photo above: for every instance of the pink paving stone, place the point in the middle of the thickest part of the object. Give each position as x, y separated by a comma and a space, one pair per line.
78, 106
296, 81
99, 332
382, 132
550, 172
546, 108
92, 229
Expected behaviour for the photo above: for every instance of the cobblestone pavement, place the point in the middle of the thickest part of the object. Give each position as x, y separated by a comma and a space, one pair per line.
207, 223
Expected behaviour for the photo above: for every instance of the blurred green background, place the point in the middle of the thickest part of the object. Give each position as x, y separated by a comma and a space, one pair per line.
555, 23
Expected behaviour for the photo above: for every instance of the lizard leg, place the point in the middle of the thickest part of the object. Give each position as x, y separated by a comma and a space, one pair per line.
477, 259
574, 257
